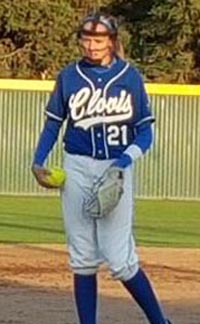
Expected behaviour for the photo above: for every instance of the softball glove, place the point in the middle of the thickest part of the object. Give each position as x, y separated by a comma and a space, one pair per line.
106, 193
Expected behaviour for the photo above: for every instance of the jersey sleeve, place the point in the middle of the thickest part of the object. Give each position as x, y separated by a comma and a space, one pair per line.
143, 134
56, 106
143, 110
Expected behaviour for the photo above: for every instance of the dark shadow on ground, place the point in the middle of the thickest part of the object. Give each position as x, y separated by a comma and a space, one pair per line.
20, 304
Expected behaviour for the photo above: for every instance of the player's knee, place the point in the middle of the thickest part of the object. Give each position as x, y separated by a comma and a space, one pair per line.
125, 272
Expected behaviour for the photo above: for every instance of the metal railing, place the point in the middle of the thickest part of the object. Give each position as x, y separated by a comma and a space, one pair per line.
170, 170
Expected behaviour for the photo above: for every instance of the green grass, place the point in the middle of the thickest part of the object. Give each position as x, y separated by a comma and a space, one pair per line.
30, 220
158, 223
168, 223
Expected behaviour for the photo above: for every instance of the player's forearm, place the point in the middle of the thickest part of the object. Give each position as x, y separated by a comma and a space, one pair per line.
46, 141
142, 141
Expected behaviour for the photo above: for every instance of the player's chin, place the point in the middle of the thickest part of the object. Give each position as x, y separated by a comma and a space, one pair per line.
95, 60
94, 57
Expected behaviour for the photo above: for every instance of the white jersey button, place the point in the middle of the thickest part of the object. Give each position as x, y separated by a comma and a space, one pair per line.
99, 79
98, 135
100, 151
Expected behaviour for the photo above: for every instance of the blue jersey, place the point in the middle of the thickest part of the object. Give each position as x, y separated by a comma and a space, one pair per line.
103, 107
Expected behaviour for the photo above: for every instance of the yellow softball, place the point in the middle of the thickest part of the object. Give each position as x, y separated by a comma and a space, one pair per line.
57, 177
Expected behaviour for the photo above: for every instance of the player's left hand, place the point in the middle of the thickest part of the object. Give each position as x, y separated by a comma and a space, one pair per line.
40, 173
123, 161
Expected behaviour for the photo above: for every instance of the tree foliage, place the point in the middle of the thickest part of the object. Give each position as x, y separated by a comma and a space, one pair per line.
161, 37
164, 37
36, 37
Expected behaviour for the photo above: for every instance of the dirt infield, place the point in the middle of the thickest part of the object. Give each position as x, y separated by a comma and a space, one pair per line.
36, 286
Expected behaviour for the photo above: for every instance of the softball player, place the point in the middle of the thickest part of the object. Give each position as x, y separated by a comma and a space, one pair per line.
108, 124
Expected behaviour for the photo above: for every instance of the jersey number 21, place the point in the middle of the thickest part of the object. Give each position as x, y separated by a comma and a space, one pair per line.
117, 135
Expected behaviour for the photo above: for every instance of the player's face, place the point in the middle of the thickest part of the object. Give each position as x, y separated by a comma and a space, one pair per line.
97, 48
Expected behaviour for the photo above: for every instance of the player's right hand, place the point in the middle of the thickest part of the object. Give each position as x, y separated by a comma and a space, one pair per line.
40, 173
123, 161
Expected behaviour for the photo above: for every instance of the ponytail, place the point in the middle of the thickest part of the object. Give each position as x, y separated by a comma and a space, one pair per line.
119, 49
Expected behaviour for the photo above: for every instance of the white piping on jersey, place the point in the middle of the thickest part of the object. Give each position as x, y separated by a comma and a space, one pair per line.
104, 141
53, 116
93, 142
149, 118
93, 90
115, 78
104, 94
85, 77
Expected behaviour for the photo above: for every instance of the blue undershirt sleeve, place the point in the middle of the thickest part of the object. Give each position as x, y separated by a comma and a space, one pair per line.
47, 140
144, 136
142, 141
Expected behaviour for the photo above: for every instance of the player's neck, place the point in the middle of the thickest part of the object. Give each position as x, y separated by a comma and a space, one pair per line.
107, 61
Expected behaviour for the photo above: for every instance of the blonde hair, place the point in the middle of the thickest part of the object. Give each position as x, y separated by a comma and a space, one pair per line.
119, 48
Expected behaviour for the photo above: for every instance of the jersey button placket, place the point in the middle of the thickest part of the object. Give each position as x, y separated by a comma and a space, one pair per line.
99, 143
99, 132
